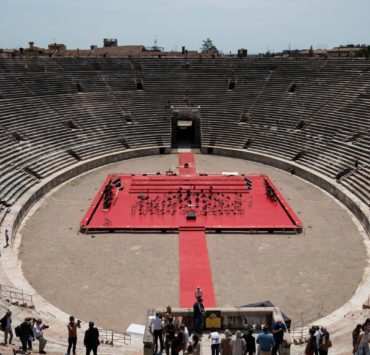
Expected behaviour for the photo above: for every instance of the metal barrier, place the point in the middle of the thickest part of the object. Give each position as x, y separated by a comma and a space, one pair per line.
111, 338
299, 329
16, 296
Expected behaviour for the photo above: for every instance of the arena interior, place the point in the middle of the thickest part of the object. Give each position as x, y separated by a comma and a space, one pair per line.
66, 123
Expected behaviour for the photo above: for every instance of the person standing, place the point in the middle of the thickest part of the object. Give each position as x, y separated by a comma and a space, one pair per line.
91, 340
355, 334
6, 238
215, 341
362, 345
157, 330
169, 334
238, 344
311, 346
250, 341
278, 330
25, 332
266, 341
198, 316
325, 342
317, 337
72, 334
225, 346
6, 326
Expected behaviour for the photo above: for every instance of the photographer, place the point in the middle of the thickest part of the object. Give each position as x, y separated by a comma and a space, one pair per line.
39, 335
24, 333
72, 334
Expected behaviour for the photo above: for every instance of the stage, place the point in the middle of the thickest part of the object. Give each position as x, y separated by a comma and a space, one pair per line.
167, 202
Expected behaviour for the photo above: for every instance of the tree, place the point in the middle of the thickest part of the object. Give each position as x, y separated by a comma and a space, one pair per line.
310, 52
209, 47
364, 52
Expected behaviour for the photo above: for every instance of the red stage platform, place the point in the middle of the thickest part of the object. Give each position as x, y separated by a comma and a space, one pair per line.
166, 202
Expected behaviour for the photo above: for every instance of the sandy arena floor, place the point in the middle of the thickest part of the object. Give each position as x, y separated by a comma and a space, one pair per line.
113, 279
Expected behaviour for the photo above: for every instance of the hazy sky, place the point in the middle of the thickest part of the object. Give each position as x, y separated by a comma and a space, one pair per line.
257, 25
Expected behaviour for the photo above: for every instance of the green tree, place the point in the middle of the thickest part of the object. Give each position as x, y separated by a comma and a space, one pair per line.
364, 52
310, 52
209, 47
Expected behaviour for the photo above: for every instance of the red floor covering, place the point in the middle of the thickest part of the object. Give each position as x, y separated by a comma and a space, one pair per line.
163, 202
187, 158
195, 268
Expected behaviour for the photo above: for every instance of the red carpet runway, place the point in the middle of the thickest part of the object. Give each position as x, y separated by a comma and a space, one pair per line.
187, 164
195, 268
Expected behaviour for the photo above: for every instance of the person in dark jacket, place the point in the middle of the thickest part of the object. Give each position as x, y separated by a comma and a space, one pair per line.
250, 341
169, 335
198, 316
25, 332
91, 340
6, 327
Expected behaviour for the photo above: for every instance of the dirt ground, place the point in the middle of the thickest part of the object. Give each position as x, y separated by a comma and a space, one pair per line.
113, 279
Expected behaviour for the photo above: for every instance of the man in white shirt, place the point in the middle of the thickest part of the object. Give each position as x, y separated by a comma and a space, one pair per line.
215, 341
39, 335
317, 336
157, 329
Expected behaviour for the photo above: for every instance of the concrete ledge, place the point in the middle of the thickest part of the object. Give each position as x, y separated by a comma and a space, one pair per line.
352, 202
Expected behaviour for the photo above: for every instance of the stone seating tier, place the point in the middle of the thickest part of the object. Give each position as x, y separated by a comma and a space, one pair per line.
92, 106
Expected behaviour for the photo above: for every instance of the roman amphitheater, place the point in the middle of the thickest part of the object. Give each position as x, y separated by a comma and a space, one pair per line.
67, 123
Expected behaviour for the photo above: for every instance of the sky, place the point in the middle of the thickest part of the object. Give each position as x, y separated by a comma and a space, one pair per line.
258, 25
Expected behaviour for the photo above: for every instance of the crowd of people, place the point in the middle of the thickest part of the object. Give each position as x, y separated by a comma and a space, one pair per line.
28, 331
172, 337
32, 329
318, 342
245, 343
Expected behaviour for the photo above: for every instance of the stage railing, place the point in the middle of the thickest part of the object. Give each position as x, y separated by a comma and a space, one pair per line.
109, 337
299, 329
16, 296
